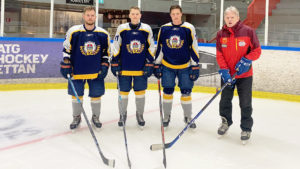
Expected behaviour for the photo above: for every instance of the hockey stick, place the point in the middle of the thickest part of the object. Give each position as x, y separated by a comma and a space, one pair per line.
106, 161
123, 114
155, 147
162, 127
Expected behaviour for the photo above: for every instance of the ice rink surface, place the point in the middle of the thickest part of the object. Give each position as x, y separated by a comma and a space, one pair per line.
34, 134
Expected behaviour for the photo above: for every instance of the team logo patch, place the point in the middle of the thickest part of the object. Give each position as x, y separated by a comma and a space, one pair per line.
174, 42
242, 43
224, 45
224, 40
135, 46
89, 48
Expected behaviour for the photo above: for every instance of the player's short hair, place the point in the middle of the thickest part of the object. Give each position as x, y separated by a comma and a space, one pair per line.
89, 8
134, 7
175, 7
232, 9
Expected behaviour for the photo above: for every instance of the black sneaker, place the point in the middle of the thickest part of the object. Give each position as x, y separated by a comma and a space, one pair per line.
187, 120
76, 122
140, 119
245, 135
223, 127
166, 121
122, 119
95, 121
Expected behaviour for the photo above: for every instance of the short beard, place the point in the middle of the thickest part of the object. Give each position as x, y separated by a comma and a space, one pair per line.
90, 23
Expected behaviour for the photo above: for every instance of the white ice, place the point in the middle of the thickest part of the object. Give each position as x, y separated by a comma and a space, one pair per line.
34, 134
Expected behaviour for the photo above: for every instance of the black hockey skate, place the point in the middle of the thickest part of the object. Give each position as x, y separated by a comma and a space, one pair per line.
95, 121
224, 127
140, 119
166, 121
76, 122
187, 120
245, 136
122, 119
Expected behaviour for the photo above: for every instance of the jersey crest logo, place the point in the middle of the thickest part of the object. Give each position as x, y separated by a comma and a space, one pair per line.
135, 46
89, 48
174, 42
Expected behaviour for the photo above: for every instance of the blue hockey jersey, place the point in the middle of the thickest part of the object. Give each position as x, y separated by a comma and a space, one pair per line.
177, 46
86, 49
132, 47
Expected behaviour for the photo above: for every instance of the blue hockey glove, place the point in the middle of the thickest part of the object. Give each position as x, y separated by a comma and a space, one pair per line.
104, 68
66, 68
157, 71
225, 76
194, 72
148, 69
115, 68
243, 66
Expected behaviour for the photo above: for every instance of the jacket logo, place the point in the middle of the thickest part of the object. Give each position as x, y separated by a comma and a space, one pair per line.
135, 46
89, 48
224, 40
174, 42
242, 43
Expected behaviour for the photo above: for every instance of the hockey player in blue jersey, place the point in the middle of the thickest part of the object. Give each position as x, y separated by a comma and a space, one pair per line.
85, 58
133, 55
177, 56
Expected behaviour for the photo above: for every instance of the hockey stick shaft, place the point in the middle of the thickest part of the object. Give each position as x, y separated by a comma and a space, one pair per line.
168, 145
162, 127
106, 161
123, 114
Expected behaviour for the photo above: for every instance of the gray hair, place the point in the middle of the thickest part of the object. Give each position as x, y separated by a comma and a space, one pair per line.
232, 9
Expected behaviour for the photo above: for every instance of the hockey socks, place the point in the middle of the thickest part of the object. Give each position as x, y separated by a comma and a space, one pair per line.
186, 103
167, 108
140, 106
76, 113
123, 108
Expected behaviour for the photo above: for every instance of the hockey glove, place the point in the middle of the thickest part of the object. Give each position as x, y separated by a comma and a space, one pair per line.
66, 68
104, 68
194, 72
148, 69
243, 66
115, 68
225, 76
157, 71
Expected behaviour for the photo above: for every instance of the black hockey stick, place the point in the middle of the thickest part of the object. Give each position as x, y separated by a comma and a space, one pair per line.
123, 114
154, 147
106, 161
162, 126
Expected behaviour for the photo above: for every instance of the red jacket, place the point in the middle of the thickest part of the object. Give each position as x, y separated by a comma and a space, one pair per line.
233, 44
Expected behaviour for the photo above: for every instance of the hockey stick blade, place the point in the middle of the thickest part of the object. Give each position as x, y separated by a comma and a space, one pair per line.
110, 162
155, 147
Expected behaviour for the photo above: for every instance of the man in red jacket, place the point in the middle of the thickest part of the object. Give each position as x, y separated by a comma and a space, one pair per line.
237, 46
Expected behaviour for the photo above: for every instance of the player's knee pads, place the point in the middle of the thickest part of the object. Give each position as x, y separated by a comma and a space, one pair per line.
169, 91
186, 92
